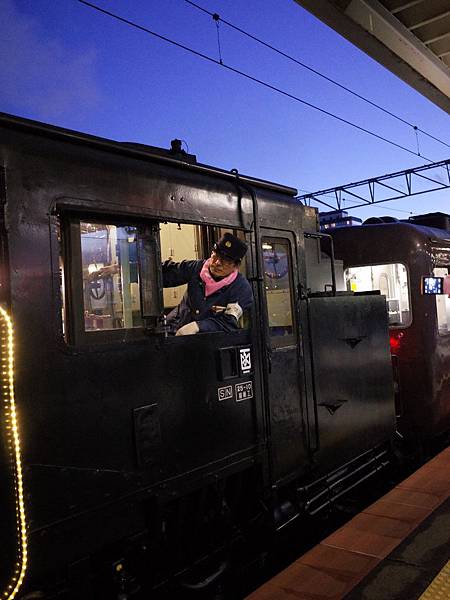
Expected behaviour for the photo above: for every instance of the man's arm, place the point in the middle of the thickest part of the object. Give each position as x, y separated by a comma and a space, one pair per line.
179, 273
226, 318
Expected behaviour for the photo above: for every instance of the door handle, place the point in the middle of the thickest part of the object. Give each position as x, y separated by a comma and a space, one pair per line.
269, 358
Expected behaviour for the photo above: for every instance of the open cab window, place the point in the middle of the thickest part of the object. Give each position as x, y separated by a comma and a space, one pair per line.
111, 277
179, 241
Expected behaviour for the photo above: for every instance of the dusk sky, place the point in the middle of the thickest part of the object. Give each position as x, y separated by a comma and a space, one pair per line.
65, 64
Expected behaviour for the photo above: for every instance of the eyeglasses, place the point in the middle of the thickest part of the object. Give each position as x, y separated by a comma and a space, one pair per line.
226, 262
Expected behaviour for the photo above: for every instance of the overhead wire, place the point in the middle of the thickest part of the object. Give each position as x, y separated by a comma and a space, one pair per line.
217, 18
250, 77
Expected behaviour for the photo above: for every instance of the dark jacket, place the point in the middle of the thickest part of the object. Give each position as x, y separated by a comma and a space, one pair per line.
195, 306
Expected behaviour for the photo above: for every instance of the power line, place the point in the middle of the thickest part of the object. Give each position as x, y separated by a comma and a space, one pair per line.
217, 18
249, 77
408, 212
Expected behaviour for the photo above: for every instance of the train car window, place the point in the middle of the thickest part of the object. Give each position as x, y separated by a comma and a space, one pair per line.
278, 286
443, 303
392, 281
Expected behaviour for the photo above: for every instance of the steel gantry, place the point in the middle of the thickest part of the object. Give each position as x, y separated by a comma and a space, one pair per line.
410, 182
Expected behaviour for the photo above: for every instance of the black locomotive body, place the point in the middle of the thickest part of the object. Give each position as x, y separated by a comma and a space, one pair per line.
144, 454
397, 257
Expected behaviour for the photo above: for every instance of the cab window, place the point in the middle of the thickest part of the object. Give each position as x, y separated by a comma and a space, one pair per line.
111, 278
110, 283
278, 286
392, 281
111, 297
184, 241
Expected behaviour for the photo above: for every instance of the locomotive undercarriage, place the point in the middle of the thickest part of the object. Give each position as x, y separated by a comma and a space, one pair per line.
197, 543
186, 549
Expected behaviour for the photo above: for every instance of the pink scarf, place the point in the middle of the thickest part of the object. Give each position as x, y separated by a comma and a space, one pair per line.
212, 286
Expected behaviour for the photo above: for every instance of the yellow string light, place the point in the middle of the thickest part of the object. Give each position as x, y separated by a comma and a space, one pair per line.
13, 439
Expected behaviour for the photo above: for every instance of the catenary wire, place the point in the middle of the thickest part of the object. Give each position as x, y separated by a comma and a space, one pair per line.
250, 77
218, 18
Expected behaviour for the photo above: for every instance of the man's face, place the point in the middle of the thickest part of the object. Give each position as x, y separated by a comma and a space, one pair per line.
220, 266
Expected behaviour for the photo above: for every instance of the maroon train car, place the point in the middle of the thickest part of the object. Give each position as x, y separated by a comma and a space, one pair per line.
399, 258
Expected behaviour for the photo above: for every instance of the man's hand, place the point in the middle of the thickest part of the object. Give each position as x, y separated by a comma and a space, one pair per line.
188, 329
107, 271
234, 310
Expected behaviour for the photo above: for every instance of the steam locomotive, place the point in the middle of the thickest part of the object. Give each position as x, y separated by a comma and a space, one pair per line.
130, 458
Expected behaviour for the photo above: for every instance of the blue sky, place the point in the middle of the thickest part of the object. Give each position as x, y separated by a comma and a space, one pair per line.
65, 64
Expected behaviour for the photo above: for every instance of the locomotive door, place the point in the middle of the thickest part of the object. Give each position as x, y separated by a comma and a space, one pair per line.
280, 285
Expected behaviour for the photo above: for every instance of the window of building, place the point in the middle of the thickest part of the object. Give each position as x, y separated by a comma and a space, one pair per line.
392, 281
278, 286
442, 303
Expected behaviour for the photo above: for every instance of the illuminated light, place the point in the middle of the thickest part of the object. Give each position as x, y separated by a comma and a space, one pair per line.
13, 441
395, 340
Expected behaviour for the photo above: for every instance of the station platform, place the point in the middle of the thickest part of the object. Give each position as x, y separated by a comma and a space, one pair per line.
396, 549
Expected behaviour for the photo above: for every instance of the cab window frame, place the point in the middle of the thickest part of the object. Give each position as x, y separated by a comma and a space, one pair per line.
282, 341
207, 235
75, 333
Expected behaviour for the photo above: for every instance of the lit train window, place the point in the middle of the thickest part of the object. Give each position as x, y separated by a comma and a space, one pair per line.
442, 303
392, 281
278, 286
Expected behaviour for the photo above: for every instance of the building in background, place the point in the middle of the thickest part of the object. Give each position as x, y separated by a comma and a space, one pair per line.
337, 218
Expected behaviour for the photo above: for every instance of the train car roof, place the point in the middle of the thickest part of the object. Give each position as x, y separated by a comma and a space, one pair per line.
135, 150
432, 233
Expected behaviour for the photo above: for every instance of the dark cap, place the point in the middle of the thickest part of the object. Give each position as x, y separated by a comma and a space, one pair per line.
229, 246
